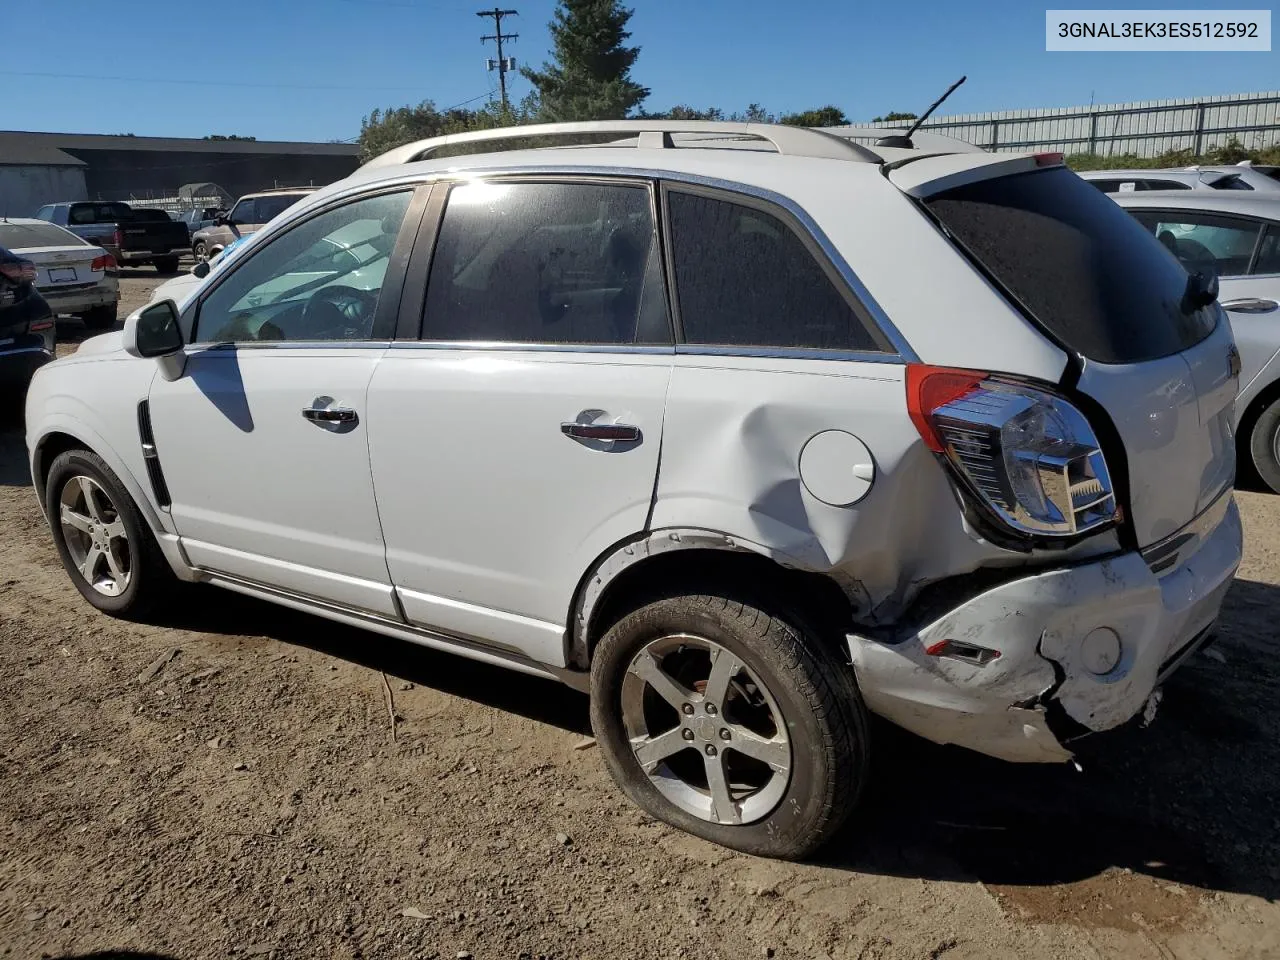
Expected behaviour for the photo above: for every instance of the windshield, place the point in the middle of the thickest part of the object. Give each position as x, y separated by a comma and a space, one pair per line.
19, 236
1077, 264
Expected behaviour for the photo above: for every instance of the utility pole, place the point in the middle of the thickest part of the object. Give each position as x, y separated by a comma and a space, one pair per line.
503, 64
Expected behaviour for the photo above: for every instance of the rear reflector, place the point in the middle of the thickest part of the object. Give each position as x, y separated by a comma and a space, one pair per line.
929, 388
1048, 159
40, 325
966, 652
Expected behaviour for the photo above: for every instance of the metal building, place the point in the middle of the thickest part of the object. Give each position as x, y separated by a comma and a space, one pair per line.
40, 168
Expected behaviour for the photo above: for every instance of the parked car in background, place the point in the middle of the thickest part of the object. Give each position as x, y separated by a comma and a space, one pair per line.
199, 219
1187, 178
131, 240
1237, 238
73, 276
27, 327
945, 437
180, 287
250, 214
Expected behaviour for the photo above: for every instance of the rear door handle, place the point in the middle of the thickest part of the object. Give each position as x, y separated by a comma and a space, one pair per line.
329, 415
1251, 305
600, 431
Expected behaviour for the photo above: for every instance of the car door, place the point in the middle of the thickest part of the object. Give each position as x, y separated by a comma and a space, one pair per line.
263, 439
518, 439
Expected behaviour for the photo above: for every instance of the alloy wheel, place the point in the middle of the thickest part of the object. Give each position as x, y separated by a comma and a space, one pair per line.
95, 535
705, 730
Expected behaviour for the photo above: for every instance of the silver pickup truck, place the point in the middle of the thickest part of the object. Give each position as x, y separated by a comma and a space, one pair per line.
133, 237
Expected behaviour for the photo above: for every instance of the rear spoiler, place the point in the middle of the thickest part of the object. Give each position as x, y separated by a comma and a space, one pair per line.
935, 173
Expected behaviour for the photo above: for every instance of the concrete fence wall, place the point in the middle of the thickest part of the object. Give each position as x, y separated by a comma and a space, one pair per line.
1148, 128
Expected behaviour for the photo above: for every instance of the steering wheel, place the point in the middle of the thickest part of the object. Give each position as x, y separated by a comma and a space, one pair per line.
338, 312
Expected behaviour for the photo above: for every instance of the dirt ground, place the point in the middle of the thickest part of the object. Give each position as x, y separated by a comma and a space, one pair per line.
231, 784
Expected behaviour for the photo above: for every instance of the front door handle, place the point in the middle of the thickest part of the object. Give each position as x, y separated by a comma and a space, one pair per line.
601, 431
329, 414
1251, 305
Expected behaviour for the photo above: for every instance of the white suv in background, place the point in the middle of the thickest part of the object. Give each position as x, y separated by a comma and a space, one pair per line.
745, 442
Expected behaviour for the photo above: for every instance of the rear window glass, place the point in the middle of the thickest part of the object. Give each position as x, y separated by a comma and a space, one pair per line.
23, 236
1077, 264
149, 215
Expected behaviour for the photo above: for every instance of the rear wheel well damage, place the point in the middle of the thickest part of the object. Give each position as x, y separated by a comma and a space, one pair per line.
674, 563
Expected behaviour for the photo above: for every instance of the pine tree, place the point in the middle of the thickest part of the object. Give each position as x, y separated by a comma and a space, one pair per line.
590, 78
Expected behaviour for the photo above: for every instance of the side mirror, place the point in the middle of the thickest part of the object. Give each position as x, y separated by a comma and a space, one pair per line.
1202, 288
201, 269
153, 331
222, 220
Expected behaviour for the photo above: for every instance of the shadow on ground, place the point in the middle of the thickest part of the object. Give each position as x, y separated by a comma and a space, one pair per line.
1190, 799
115, 955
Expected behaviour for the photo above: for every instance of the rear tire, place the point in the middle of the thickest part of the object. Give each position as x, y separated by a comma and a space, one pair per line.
1264, 446
790, 780
101, 318
200, 251
104, 543
166, 264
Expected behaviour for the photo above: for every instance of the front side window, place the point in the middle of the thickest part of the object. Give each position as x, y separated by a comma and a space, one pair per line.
745, 278
320, 280
244, 212
268, 208
548, 263
45, 213
1204, 242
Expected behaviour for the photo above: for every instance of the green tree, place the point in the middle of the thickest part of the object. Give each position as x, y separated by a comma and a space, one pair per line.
753, 114
827, 116
684, 112
218, 136
891, 117
590, 76
384, 130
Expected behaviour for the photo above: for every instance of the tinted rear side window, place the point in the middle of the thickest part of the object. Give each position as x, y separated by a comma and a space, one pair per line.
1077, 264
744, 278
547, 263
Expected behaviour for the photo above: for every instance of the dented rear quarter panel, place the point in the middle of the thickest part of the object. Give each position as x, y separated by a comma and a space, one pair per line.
734, 431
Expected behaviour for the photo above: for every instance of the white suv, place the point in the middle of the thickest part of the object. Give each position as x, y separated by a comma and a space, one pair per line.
746, 442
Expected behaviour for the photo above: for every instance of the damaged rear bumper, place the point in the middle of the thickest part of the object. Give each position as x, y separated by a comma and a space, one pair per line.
1024, 704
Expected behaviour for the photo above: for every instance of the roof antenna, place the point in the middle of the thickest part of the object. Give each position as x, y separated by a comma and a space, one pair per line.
904, 139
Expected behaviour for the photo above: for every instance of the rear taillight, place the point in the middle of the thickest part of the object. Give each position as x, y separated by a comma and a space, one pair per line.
21, 271
40, 325
1029, 454
104, 262
117, 238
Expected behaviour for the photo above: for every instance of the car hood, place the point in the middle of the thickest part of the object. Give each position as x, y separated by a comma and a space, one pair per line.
103, 343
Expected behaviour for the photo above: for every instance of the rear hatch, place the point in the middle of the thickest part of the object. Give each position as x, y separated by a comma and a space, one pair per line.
1101, 287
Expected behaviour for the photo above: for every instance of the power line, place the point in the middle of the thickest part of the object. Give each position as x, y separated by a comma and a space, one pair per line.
199, 83
503, 65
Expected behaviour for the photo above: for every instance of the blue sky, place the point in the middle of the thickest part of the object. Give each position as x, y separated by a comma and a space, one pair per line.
295, 70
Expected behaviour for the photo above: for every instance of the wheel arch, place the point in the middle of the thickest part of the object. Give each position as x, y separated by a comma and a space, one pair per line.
674, 561
59, 436
1263, 399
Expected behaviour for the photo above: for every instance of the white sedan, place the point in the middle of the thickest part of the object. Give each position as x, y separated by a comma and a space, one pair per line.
73, 276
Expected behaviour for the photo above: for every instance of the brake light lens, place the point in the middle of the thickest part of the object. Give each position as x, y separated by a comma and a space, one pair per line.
117, 238
1049, 159
1028, 454
19, 271
104, 262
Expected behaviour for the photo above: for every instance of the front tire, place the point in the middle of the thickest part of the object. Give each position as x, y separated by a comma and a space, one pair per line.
1264, 446
200, 251
103, 541
730, 723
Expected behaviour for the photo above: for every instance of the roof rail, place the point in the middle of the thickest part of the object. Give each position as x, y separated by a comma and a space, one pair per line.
790, 141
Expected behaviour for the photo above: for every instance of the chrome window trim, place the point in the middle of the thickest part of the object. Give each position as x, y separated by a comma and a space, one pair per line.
235, 346
514, 346
842, 267
785, 353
